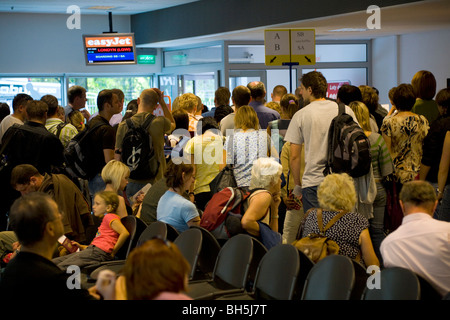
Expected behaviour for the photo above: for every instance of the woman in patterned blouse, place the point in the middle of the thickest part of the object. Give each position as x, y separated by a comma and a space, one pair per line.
337, 194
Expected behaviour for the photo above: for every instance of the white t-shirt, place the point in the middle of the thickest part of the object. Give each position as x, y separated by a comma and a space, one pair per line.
7, 122
421, 244
310, 125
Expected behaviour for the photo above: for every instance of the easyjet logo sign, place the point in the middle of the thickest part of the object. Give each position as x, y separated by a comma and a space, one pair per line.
118, 41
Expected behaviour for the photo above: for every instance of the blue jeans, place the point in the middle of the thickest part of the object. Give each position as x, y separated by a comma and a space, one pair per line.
376, 228
443, 209
309, 197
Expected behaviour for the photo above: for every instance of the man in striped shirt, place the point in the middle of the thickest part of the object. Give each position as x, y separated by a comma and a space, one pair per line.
63, 131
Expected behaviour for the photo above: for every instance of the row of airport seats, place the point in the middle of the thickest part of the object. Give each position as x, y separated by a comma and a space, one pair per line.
242, 268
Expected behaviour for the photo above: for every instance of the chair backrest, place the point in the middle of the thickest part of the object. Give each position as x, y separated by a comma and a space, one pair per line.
259, 251
208, 254
395, 284
233, 261
361, 277
172, 233
130, 224
306, 264
277, 273
331, 278
427, 291
154, 229
190, 243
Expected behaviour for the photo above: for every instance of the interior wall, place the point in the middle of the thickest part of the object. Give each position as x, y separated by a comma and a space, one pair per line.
42, 44
397, 58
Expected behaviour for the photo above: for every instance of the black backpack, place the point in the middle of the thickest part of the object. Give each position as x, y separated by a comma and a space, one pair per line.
138, 152
77, 154
348, 147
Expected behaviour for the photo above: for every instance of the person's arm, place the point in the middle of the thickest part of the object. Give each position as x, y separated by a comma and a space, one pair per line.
118, 227
295, 164
423, 172
122, 209
444, 165
387, 139
108, 154
258, 206
165, 109
367, 251
194, 222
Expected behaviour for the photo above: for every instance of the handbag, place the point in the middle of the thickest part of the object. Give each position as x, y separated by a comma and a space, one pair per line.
224, 179
318, 246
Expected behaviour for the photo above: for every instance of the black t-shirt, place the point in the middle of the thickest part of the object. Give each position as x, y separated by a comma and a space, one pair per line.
102, 138
31, 143
30, 277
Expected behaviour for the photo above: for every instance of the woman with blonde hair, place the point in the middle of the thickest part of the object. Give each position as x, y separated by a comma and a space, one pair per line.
382, 167
115, 174
247, 144
337, 196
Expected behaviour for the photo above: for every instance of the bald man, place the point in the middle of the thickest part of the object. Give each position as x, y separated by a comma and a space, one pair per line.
147, 103
421, 243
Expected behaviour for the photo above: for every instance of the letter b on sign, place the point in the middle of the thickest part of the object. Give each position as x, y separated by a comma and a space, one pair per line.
74, 21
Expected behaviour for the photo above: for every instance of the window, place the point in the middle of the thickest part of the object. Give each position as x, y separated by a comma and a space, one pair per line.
131, 87
185, 57
36, 87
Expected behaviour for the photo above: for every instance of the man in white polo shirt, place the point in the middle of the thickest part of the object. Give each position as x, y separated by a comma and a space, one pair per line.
421, 243
309, 129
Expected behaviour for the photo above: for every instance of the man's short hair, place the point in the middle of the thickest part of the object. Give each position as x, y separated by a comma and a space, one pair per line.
348, 93
119, 93
188, 101
104, 96
241, 96
257, 89
21, 99
222, 96
404, 97
37, 109
75, 91
418, 193
52, 103
317, 82
279, 91
22, 173
29, 215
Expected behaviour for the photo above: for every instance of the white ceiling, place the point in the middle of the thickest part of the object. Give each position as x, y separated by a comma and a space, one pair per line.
60, 6
409, 18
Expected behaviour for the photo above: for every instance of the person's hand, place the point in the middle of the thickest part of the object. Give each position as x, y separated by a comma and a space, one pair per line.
289, 202
276, 198
85, 114
106, 284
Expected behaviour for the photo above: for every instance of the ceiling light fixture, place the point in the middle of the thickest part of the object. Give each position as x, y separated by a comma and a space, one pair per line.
101, 7
349, 30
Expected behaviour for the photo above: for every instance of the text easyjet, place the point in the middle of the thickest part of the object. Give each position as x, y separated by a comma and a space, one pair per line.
107, 42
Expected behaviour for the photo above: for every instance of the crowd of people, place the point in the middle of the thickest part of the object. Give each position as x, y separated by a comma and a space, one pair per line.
277, 150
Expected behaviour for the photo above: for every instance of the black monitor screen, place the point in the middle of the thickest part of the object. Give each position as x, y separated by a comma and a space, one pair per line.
114, 48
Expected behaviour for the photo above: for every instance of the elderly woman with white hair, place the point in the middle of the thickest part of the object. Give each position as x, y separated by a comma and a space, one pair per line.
337, 197
262, 205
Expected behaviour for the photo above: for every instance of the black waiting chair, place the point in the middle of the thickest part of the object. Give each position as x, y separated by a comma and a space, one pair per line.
331, 278
230, 270
172, 233
276, 277
395, 284
208, 255
156, 229
190, 244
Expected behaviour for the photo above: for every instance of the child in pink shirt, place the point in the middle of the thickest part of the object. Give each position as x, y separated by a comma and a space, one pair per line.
111, 235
